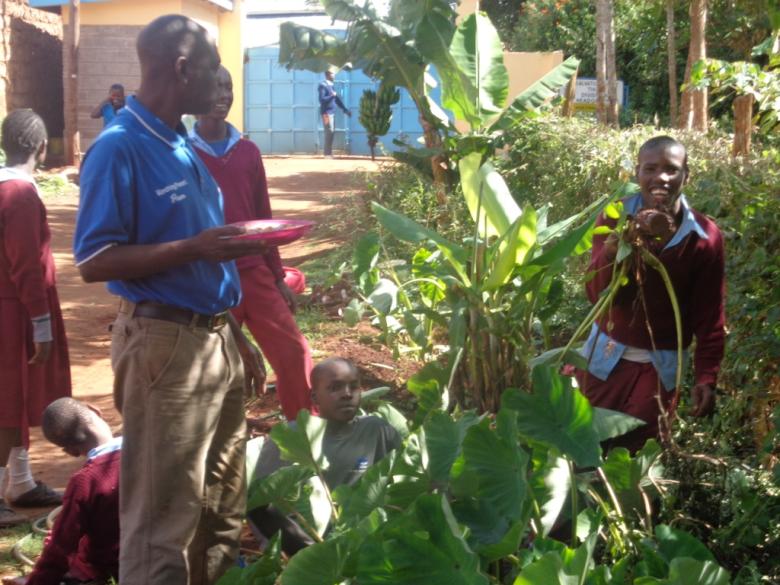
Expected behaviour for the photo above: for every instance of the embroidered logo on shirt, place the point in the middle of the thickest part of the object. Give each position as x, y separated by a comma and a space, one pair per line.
172, 187
361, 464
176, 197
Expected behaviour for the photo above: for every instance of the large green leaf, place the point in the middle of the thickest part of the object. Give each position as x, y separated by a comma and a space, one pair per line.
424, 546
500, 467
518, 241
673, 543
630, 475
319, 564
476, 49
542, 90
349, 10
688, 571
302, 443
302, 47
428, 385
408, 230
264, 571
408, 14
443, 439
557, 483
283, 485
359, 500
458, 94
487, 196
611, 423
556, 414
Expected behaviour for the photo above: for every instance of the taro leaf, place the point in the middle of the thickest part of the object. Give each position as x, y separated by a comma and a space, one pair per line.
557, 481
556, 414
302, 443
443, 440
544, 89
428, 385
611, 423
561, 565
264, 571
673, 543
384, 298
548, 570
359, 500
283, 485
491, 199
627, 475
492, 536
353, 312
253, 448
508, 544
319, 564
688, 571
500, 467
394, 417
364, 260
424, 546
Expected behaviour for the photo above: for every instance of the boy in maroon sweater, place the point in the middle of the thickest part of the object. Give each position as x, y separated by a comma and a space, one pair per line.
630, 369
267, 304
83, 546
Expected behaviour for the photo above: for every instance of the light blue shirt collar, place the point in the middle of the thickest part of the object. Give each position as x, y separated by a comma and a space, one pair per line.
153, 124
114, 444
689, 224
233, 137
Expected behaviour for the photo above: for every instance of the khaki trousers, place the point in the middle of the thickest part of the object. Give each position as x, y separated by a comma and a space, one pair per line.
182, 485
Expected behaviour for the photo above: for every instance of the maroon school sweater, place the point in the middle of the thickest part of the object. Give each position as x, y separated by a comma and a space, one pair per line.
240, 175
85, 537
696, 268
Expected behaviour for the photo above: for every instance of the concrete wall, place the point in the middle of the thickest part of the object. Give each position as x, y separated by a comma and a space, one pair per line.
31, 63
107, 51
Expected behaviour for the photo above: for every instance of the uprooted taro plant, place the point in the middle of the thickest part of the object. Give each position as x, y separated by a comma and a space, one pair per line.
521, 497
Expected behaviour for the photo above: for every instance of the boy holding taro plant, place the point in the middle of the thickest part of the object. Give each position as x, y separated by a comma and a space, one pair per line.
633, 345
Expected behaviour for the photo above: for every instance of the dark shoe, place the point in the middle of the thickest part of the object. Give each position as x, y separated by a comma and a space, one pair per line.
40, 496
8, 517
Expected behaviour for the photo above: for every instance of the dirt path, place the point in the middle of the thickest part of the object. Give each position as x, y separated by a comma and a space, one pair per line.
301, 187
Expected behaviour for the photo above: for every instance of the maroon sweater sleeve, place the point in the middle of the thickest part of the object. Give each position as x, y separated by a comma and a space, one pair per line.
709, 314
65, 536
22, 240
263, 203
600, 268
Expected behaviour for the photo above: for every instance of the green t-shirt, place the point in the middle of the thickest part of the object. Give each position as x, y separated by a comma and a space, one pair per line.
350, 450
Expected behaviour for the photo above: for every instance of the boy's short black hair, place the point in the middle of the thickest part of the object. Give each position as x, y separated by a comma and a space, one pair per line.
317, 370
65, 422
23, 133
662, 141
117, 86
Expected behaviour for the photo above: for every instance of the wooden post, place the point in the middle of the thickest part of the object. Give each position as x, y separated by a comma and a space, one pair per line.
72, 138
743, 125
571, 96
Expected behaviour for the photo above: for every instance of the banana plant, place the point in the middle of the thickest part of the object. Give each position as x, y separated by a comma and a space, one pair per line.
376, 113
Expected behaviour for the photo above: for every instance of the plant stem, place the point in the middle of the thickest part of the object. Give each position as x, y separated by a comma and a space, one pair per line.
574, 502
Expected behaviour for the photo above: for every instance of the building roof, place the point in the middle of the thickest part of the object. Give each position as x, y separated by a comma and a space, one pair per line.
226, 4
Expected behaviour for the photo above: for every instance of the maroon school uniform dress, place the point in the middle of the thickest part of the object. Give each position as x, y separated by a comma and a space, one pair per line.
27, 289
240, 174
84, 541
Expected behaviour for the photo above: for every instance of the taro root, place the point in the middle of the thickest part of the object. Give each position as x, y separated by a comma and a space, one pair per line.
655, 227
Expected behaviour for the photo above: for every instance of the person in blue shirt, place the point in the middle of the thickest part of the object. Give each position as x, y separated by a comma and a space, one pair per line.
108, 108
150, 223
329, 99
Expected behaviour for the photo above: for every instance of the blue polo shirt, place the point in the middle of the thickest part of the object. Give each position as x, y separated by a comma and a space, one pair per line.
141, 183
108, 113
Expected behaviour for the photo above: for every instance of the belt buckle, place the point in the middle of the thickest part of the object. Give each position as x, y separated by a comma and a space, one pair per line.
216, 321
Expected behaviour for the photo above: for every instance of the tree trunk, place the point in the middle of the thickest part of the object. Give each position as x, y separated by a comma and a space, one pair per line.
612, 80
671, 52
743, 124
693, 113
71, 97
601, 61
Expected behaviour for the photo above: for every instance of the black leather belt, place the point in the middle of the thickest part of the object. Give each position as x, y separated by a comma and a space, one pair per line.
181, 316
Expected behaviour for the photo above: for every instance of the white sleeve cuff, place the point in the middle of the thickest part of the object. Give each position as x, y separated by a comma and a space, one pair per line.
42, 328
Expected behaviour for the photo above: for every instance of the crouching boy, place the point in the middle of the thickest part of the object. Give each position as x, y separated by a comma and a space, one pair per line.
351, 444
83, 546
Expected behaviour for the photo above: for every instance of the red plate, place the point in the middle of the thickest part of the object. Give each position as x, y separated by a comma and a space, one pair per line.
276, 232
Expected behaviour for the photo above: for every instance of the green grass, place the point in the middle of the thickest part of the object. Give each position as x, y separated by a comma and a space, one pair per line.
9, 566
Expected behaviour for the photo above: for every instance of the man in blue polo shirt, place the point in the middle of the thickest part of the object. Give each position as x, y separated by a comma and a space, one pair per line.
108, 108
151, 224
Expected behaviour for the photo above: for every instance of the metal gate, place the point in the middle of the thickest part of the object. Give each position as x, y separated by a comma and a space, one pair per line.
282, 111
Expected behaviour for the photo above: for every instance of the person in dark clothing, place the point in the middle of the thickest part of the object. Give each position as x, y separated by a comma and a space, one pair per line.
351, 445
329, 99
632, 349
83, 546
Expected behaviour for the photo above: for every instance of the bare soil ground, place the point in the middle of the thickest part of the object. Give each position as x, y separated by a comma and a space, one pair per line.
301, 187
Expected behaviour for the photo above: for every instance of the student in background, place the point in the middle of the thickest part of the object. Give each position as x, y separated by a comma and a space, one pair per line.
108, 108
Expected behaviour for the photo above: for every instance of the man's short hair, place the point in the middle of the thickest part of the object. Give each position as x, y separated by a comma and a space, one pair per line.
662, 141
23, 133
65, 422
117, 86
169, 37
